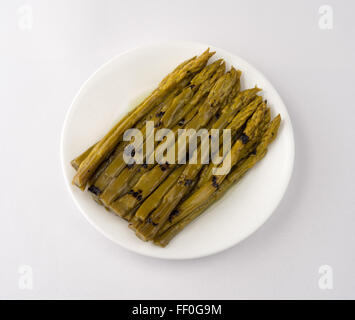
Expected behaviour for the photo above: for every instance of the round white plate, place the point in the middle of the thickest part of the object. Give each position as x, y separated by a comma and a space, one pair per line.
113, 89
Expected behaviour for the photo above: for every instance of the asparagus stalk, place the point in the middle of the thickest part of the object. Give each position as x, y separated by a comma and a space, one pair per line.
107, 144
259, 132
163, 207
236, 123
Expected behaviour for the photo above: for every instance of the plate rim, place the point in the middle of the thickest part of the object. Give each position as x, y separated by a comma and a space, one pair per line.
161, 256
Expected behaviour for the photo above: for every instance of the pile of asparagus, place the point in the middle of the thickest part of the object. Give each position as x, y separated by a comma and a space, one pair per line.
159, 200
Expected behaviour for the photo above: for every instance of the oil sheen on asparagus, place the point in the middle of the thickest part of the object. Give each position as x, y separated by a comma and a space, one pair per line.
160, 199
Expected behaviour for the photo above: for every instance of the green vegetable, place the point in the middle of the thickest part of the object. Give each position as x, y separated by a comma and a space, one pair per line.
160, 200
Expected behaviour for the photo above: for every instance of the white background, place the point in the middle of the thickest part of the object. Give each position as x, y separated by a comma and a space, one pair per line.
41, 69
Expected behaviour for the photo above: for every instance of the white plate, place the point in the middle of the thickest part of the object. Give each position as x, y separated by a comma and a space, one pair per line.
107, 96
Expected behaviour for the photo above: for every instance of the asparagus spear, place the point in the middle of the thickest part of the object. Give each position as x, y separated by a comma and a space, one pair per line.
259, 132
187, 214
236, 123
152, 179
107, 144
